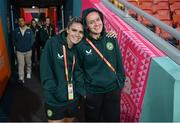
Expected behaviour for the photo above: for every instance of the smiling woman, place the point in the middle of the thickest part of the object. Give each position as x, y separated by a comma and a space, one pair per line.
57, 65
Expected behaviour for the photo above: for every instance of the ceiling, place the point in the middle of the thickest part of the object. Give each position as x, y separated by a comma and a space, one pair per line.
38, 3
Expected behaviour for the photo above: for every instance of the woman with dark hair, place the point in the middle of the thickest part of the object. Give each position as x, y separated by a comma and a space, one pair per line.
100, 59
56, 70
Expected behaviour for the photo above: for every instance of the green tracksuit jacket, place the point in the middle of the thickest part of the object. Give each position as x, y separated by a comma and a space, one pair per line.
52, 72
97, 76
94, 74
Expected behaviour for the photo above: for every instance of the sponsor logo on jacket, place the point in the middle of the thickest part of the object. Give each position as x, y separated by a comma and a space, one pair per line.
88, 52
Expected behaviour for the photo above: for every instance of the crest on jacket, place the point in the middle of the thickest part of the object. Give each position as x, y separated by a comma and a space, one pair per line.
109, 46
49, 113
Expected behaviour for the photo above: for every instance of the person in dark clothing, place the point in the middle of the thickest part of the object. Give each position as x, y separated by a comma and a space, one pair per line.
46, 32
57, 65
102, 72
36, 45
23, 39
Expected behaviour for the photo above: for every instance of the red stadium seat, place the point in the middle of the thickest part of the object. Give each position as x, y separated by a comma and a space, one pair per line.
175, 6
163, 33
142, 1
131, 12
158, 1
176, 19
177, 12
163, 15
160, 6
146, 6
173, 1
144, 20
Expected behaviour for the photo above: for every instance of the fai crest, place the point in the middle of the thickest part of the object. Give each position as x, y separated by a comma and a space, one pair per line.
109, 46
49, 113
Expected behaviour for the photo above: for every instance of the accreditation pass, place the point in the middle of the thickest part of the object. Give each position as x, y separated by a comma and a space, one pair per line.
70, 91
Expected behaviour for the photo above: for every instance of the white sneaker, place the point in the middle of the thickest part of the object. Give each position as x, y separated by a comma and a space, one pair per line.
28, 76
21, 79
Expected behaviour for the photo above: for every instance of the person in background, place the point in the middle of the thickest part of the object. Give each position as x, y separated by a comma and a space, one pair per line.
46, 31
23, 38
36, 45
102, 72
57, 65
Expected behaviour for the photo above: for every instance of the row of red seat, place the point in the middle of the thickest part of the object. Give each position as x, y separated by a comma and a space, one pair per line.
167, 11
